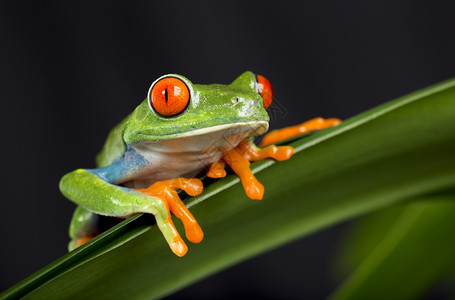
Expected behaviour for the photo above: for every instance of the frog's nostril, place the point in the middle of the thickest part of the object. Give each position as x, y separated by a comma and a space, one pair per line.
235, 100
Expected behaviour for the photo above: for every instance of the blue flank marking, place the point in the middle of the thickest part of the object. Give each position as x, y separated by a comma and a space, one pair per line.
124, 167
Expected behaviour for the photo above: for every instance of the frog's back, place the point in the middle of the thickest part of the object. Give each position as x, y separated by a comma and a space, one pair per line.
114, 147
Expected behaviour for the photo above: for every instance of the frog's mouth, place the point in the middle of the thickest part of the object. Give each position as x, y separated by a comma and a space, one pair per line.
252, 128
247, 129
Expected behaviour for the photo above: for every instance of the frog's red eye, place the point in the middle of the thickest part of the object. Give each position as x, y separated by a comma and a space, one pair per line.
169, 96
265, 90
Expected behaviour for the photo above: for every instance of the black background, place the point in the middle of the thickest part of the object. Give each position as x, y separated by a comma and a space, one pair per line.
71, 69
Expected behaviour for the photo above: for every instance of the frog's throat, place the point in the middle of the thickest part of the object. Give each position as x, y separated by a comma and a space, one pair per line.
250, 128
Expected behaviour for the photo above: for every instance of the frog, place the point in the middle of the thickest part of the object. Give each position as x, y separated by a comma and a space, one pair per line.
179, 132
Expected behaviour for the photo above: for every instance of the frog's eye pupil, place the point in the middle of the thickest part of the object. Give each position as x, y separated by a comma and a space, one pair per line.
169, 96
265, 90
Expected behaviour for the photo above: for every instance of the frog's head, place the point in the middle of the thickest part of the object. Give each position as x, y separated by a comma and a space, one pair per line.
176, 108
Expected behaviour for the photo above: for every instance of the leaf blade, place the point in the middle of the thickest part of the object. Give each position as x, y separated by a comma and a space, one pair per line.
415, 253
378, 158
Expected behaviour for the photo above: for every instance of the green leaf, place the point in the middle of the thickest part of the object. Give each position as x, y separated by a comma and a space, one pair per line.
360, 237
415, 253
389, 154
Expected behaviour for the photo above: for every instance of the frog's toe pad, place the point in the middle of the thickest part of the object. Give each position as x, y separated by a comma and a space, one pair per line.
283, 153
216, 170
254, 189
192, 186
179, 247
194, 233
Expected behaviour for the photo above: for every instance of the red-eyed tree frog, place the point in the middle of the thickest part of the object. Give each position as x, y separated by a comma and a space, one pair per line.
179, 131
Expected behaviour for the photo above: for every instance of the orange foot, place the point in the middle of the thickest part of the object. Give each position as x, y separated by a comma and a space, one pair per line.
292, 131
82, 240
239, 159
164, 194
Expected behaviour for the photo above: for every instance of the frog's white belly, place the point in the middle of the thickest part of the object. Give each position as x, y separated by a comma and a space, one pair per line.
188, 155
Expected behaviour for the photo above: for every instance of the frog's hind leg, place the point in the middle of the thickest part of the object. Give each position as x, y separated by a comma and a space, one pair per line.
84, 227
292, 131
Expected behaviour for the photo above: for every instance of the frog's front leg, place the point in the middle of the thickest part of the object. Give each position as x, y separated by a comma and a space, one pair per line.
166, 190
239, 159
95, 192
